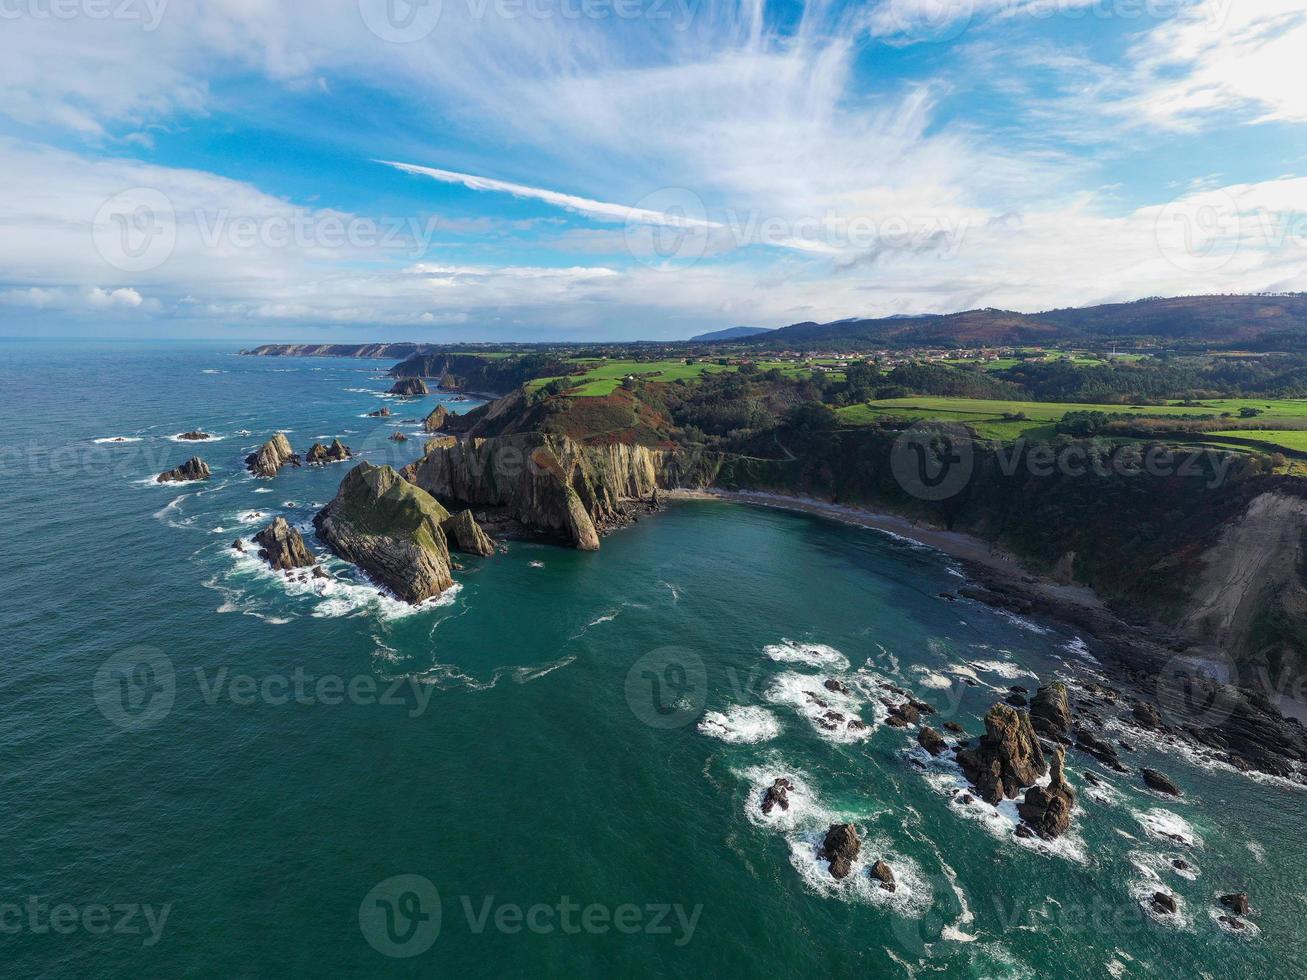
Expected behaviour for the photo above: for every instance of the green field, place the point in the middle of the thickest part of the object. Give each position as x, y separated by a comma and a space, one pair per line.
604, 376
987, 416
1295, 439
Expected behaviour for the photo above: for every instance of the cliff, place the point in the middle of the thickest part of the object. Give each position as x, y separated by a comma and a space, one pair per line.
391, 529
391, 351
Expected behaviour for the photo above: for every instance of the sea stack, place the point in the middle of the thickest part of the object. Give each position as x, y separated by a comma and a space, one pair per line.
410, 387
271, 457
1048, 809
465, 534
193, 469
391, 529
1008, 757
320, 455
282, 547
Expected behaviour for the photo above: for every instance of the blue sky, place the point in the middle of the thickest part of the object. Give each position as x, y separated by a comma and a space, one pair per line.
620, 169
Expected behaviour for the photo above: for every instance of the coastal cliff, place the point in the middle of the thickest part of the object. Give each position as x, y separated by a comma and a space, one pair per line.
391, 529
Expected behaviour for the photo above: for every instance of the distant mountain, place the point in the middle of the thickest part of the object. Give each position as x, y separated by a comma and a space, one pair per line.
732, 333
1263, 322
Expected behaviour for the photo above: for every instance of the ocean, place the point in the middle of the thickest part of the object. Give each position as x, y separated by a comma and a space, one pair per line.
556, 769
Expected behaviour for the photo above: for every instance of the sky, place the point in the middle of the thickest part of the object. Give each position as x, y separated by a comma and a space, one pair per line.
577, 170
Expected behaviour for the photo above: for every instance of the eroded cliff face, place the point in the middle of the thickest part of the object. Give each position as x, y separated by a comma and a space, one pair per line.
1251, 600
554, 484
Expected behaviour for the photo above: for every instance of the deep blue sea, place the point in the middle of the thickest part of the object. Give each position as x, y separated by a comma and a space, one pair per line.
211, 770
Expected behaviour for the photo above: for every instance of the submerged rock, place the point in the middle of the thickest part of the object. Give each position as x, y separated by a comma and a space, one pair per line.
466, 535
391, 529
382, 413
1237, 903
410, 387
777, 795
1008, 757
271, 457
1047, 809
193, 469
282, 547
1146, 715
399, 437
195, 435
1164, 903
1087, 741
840, 848
1160, 782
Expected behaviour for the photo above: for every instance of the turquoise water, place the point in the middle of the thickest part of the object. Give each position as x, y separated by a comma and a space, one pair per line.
512, 760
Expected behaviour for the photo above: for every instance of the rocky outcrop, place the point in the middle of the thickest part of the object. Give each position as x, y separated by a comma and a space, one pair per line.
391, 529
282, 547
1087, 741
1047, 809
1237, 903
193, 469
195, 435
840, 848
881, 872
319, 455
271, 457
932, 741
1159, 782
382, 413
1008, 757
1164, 903
465, 534
1050, 712
410, 387
777, 795
436, 420
399, 437
550, 484
1146, 715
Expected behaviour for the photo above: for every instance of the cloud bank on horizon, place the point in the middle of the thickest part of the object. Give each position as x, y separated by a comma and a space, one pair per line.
619, 169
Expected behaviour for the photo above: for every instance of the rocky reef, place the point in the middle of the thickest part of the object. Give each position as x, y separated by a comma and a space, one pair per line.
320, 455
193, 469
282, 547
1008, 757
271, 457
195, 435
391, 529
382, 413
410, 387
465, 534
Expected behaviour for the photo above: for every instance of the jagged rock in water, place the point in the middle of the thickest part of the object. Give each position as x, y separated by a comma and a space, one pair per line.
436, 420
1047, 809
1016, 700
831, 684
954, 727
1237, 903
238, 545
195, 435
1164, 903
382, 413
1087, 741
932, 741
399, 437
777, 795
840, 848
271, 457
319, 454
1008, 757
1160, 782
465, 534
410, 387
1146, 715
282, 547
193, 469
391, 529
1050, 712
884, 874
